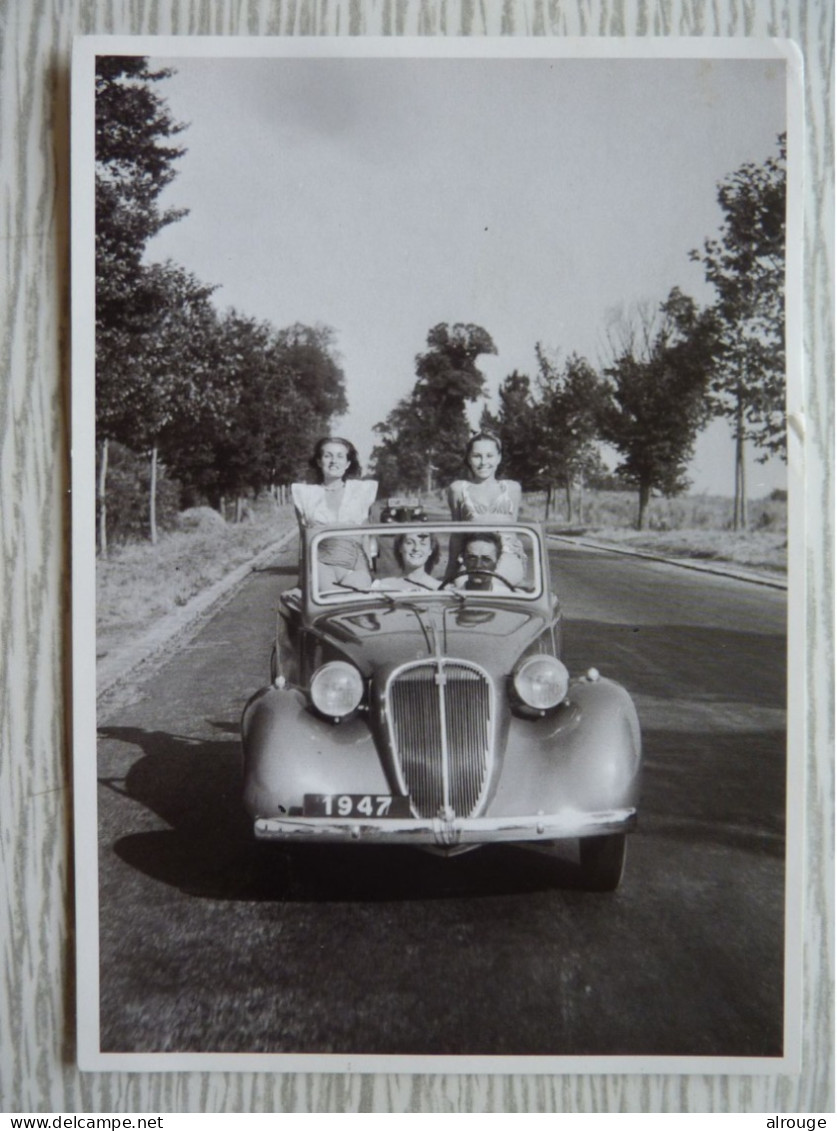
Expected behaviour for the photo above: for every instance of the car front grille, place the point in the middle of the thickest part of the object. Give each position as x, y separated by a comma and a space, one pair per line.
440, 725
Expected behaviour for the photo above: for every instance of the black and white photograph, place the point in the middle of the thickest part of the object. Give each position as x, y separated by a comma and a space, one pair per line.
436, 563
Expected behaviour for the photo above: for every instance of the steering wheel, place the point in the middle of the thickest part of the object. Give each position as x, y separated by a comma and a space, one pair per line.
471, 573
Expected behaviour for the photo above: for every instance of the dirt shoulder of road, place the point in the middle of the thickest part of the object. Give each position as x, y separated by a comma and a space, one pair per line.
760, 553
146, 595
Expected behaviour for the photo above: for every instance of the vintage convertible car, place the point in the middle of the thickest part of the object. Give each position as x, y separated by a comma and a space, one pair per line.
424, 701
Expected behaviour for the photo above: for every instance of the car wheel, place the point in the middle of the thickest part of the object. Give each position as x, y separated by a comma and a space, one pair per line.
602, 860
274, 664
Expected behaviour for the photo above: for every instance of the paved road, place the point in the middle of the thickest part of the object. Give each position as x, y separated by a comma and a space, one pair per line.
211, 943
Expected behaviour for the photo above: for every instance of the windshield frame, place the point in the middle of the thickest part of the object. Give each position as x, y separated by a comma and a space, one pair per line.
530, 534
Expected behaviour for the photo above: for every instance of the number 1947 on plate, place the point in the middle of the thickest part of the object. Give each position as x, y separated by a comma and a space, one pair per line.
355, 805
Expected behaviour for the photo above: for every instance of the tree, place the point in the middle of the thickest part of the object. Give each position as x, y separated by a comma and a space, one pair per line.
228, 405
173, 376
516, 426
310, 353
747, 268
385, 466
426, 433
128, 495
657, 398
277, 392
134, 163
572, 402
401, 461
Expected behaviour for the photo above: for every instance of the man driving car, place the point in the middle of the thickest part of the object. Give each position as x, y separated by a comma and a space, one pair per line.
479, 558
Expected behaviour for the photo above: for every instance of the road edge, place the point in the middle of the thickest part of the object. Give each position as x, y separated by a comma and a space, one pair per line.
721, 569
117, 665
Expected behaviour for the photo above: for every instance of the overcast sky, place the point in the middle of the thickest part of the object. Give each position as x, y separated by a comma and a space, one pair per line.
534, 197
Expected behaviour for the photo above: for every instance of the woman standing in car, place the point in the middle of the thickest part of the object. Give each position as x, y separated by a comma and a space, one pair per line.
338, 496
484, 498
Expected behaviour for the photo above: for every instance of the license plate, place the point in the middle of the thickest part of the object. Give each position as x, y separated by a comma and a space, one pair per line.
355, 805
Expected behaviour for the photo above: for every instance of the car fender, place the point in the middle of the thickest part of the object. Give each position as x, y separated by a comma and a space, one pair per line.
587, 750
289, 751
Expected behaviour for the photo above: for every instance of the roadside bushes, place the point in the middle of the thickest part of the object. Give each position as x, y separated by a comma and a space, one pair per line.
201, 520
616, 510
127, 497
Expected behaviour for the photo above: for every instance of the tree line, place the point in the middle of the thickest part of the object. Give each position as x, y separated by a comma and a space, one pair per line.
221, 403
673, 367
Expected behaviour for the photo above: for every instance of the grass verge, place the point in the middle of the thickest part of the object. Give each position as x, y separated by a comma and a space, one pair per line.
138, 583
762, 551
696, 527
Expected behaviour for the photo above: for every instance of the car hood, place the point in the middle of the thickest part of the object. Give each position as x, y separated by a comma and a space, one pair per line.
490, 634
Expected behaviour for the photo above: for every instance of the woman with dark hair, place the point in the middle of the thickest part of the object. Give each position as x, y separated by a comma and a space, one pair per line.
320, 456
484, 498
338, 496
417, 554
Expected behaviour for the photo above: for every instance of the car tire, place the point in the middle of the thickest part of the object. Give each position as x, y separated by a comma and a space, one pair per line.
602, 861
274, 663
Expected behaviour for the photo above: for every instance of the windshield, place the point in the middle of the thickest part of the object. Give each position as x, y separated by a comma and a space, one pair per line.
425, 559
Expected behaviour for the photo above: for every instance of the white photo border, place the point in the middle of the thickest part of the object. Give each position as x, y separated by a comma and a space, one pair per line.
85, 50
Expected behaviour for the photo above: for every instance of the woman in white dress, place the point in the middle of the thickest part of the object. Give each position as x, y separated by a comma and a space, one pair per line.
484, 498
339, 496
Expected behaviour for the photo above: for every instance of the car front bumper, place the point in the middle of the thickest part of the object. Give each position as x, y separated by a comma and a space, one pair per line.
445, 832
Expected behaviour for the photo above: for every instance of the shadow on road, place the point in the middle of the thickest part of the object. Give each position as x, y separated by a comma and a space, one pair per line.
194, 785
724, 788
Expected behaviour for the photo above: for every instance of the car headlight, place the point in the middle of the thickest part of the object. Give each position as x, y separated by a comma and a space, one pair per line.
541, 682
336, 689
